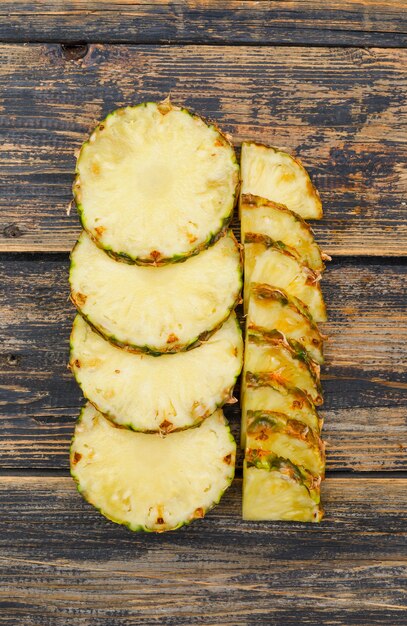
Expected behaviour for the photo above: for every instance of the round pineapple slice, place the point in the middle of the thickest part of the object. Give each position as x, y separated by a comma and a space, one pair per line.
156, 309
276, 175
155, 184
150, 393
148, 482
282, 225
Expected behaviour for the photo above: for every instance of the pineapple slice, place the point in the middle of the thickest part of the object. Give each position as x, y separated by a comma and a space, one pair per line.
266, 263
155, 184
273, 174
287, 438
287, 363
276, 489
156, 309
261, 216
148, 482
261, 392
271, 308
149, 393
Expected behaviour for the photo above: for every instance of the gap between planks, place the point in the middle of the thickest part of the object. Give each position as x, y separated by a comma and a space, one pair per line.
260, 22
339, 474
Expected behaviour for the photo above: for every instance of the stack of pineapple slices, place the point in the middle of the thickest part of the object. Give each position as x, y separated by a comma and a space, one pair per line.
155, 347
284, 455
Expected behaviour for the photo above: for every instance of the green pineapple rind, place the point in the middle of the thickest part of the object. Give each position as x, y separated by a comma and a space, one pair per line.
261, 422
260, 291
251, 201
294, 348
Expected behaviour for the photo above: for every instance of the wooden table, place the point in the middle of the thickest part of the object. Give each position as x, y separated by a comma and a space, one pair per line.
326, 80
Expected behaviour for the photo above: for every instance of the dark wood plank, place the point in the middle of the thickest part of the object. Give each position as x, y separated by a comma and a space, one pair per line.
364, 375
351, 22
63, 564
341, 110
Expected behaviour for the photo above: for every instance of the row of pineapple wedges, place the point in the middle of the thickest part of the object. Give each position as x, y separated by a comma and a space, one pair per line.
284, 455
156, 346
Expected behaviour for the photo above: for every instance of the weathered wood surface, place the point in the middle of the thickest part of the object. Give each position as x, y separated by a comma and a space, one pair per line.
61, 563
364, 376
341, 110
350, 22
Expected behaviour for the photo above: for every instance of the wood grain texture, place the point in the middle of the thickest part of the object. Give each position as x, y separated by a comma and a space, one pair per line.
364, 376
61, 563
351, 22
343, 111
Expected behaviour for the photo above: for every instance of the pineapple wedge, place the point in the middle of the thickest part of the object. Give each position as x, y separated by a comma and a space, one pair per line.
156, 310
275, 489
284, 455
287, 438
261, 392
271, 308
273, 174
157, 394
262, 216
287, 363
148, 482
268, 264
155, 184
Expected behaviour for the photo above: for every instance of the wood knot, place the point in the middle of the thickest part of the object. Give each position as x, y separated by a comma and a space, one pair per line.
12, 231
74, 52
13, 359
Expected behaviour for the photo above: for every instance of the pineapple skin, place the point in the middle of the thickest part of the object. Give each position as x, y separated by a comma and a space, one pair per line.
295, 351
310, 277
265, 295
290, 401
262, 425
213, 237
264, 459
314, 258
